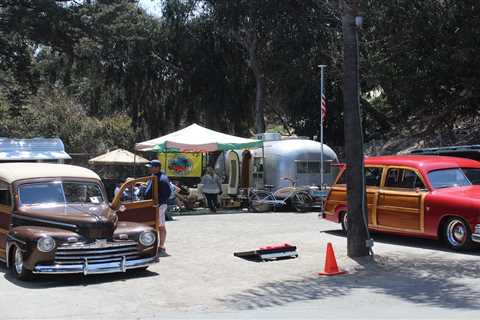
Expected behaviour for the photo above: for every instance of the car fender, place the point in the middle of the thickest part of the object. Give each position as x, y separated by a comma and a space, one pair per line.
339, 209
25, 238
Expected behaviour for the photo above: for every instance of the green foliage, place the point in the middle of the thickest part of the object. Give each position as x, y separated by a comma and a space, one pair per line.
51, 113
126, 75
423, 55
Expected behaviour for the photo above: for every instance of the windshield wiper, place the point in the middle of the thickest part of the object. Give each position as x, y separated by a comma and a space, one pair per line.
452, 185
445, 186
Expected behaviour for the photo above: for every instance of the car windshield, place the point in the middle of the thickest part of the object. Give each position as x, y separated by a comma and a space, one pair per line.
455, 177
60, 192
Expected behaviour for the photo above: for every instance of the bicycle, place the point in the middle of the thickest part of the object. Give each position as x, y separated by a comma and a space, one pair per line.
298, 198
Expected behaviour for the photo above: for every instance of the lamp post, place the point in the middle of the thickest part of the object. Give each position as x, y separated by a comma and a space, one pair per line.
322, 101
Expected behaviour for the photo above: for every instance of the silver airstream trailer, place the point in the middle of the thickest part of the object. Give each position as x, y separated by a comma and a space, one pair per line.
297, 159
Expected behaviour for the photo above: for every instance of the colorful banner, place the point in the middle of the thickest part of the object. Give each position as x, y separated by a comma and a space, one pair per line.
181, 164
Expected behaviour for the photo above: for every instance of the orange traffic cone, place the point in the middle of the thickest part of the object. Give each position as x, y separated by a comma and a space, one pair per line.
331, 268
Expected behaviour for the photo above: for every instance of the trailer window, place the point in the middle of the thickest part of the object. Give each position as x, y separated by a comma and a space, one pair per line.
305, 167
258, 168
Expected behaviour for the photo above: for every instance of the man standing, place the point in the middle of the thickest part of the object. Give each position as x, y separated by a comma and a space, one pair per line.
164, 191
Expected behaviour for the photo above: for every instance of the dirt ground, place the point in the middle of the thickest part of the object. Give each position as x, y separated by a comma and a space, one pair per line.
202, 278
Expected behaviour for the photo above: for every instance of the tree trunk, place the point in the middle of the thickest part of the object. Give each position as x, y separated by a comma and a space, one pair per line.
357, 218
260, 103
249, 42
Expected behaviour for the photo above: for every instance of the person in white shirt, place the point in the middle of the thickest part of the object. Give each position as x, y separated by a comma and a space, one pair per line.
212, 187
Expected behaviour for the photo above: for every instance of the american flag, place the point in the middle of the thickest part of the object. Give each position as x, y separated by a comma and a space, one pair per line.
323, 108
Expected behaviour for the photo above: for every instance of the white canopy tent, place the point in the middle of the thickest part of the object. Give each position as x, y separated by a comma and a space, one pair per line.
118, 157
195, 138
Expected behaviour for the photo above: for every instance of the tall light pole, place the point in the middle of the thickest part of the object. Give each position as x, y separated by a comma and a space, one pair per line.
322, 116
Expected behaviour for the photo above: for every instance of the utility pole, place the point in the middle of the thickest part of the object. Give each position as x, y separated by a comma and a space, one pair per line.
357, 219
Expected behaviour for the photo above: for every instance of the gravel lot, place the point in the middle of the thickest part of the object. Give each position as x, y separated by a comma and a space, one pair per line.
202, 278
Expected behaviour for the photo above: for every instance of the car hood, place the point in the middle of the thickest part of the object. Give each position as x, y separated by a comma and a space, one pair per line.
91, 221
468, 192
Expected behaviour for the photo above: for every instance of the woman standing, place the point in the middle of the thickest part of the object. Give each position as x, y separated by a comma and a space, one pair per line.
211, 188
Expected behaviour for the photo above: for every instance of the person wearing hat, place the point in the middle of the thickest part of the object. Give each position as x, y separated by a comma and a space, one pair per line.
164, 191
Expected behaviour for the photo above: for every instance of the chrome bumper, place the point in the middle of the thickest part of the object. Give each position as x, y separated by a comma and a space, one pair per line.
96, 268
476, 234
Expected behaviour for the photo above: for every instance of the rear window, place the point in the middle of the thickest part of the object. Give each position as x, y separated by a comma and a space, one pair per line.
373, 176
343, 177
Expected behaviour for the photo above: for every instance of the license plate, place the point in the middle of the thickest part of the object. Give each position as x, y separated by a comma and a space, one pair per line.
101, 243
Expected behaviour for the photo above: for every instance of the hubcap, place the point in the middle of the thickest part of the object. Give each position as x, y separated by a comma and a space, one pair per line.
456, 232
18, 261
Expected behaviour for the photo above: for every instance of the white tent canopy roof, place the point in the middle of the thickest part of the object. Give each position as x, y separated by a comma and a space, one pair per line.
195, 138
32, 149
118, 157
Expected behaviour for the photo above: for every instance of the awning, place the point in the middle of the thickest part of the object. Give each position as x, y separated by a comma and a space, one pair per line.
118, 157
32, 149
195, 138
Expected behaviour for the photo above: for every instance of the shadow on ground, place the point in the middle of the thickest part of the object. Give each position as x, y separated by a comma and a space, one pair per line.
431, 281
67, 280
411, 242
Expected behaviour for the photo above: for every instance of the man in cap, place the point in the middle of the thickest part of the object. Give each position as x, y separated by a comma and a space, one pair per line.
164, 191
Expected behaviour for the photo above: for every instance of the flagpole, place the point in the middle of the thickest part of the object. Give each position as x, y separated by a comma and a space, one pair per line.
322, 88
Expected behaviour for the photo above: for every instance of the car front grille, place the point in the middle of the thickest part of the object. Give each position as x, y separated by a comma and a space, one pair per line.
96, 253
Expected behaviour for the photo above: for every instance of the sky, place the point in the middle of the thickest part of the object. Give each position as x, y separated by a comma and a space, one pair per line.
151, 6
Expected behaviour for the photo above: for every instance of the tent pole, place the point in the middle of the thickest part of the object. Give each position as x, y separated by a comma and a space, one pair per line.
225, 159
134, 164
263, 165
165, 162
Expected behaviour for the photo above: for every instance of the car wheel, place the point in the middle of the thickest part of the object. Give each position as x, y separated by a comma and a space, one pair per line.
17, 266
344, 221
301, 201
457, 234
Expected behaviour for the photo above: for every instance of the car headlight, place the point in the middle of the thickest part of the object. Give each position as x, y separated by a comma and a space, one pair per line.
147, 238
46, 244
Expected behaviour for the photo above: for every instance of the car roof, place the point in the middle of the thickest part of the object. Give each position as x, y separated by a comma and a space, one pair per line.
14, 171
423, 162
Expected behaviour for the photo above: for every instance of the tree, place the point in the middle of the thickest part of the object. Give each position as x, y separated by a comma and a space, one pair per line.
357, 208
